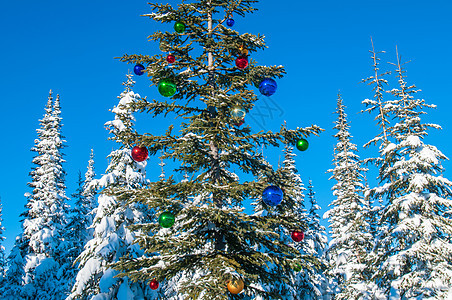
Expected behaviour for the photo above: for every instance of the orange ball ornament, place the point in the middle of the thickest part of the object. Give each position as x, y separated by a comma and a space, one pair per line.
235, 286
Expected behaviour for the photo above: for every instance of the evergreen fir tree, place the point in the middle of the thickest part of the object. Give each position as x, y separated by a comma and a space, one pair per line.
112, 237
13, 283
2, 249
78, 229
350, 232
378, 103
413, 246
316, 231
213, 240
36, 258
89, 196
316, 241
82, 213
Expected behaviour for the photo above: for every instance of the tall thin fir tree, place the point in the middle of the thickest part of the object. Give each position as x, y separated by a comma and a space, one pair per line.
384, 114
79, 231
317, 241
112, 235
89, 195
3, 265
213, 242
64, 262
350, 231
378, 81
36, 257
415, 252
82, 213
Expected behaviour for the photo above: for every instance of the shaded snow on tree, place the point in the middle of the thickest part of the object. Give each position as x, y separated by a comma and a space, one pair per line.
78, 229
350, 231
413, 251
2, 249
112, 237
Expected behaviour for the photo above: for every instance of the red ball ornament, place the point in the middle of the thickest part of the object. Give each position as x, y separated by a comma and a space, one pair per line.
170, 58
241, 62
139, 154
154, 284
240, 123
297, 236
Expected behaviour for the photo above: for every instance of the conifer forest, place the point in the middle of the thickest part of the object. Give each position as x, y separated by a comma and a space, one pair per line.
223, 220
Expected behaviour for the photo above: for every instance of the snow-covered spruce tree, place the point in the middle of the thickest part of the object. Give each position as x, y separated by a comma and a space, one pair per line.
351, 239
78, 230
316, 241
89, 196
415, 252
213, 240
383, 109
112, 237
82, 213
2, 250
36, 260
14, 280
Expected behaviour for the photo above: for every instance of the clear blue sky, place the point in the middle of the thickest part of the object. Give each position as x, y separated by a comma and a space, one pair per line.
70, 47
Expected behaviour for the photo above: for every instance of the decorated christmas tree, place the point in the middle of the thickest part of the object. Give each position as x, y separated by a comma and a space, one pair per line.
204, 245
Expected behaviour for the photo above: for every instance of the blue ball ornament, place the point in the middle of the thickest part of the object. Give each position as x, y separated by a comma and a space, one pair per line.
268, 87
139, 69
230, 22
272, 195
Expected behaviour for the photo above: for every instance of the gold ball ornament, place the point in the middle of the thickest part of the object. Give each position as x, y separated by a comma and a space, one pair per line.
243, 50
235, 286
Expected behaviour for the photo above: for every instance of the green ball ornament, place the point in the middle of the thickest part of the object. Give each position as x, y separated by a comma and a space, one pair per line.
179, 27
302, 144
166, 219
297, 267
167, 87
